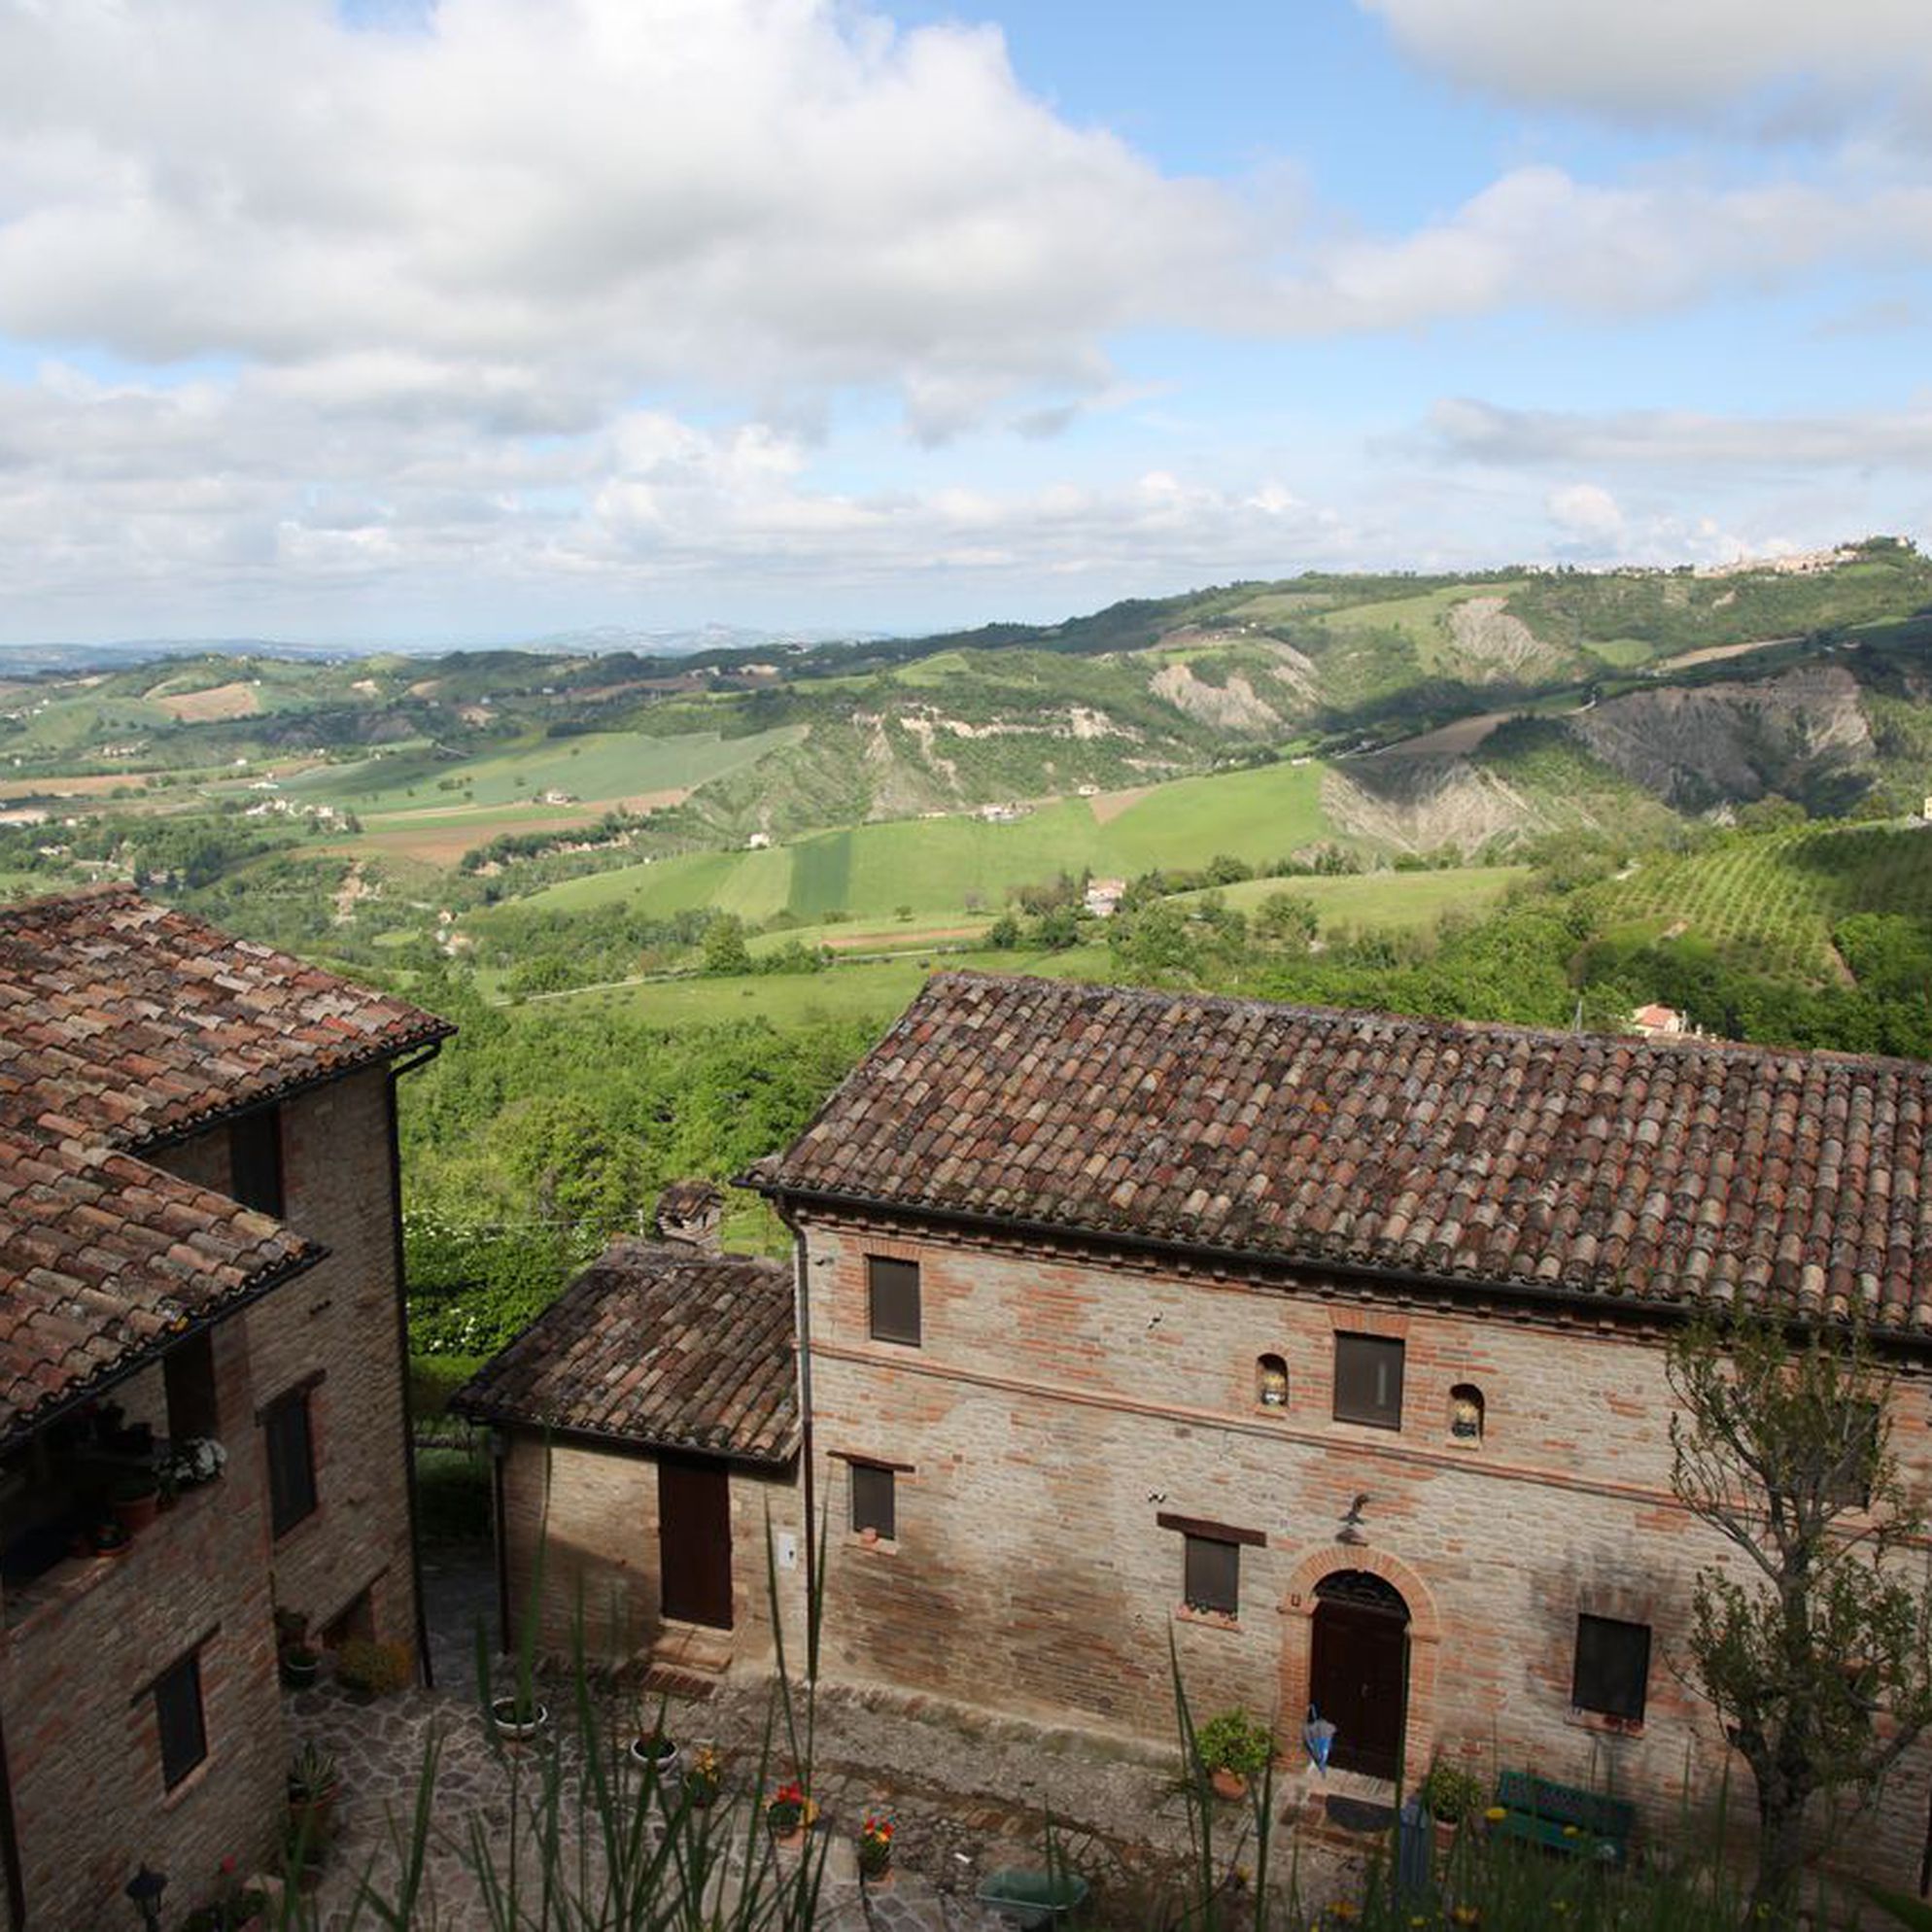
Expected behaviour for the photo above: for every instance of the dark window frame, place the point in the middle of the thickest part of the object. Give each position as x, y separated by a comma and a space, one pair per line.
1211, 1574
877, 1510
1367, 1359
257, 1176
1610, 1670
294, 1494
891, 1286
181, 1718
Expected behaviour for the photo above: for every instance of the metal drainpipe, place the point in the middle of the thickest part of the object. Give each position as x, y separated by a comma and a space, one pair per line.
395, 1073
801, 1307
9, 1847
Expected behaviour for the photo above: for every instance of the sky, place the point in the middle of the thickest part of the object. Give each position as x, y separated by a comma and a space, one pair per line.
397, 322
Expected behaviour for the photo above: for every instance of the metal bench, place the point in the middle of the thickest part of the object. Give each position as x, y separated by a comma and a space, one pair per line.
1564, 1817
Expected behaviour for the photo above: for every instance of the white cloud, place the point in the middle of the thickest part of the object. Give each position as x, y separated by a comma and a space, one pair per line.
611, 193
1684, 441
1808, 65
1588, 512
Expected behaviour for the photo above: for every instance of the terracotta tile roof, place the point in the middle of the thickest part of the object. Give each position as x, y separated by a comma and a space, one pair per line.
657, 1346
1669, 1170
103, 1259
124, 1022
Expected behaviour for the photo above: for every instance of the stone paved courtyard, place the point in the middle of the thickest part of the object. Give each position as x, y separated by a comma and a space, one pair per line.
970, 1794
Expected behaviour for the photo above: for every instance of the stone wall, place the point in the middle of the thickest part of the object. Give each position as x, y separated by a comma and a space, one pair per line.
1057, 1407
83, 1743
594, 1511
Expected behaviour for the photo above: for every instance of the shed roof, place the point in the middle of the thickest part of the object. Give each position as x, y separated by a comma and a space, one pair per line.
1661, 1171
656, 1346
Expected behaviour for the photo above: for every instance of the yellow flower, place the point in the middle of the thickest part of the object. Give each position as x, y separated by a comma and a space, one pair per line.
1496, 1814
1467, 1915
1341, 1910
1571, 1831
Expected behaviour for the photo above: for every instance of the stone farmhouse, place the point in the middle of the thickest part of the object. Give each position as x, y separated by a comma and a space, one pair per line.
1329, 1347
200, 1244
647, 1429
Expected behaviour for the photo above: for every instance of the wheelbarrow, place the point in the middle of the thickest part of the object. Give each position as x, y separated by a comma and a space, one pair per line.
1033, 1900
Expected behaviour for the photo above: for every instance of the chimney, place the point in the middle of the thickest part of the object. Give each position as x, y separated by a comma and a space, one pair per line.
689, 1213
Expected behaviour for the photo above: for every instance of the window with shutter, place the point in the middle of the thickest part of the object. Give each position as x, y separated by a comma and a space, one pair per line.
1612, 1670
1213, 1576
178, 1715
892, 1291
875, 1501
1368, 1380
291, 1495
255, 1161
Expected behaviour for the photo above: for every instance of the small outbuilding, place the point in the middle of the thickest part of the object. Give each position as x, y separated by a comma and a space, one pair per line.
646, 1427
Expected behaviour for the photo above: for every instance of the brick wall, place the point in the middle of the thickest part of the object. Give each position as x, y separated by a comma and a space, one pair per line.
338, 1323
594, 1511
83, 1746
1057, 1407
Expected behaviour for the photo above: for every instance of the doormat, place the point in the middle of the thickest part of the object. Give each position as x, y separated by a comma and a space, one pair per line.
1358, 1814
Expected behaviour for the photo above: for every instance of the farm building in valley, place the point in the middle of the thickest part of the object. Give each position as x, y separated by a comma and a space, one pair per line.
1329, 1346
199, 1254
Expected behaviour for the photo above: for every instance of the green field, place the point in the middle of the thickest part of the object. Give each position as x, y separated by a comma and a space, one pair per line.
1772, 901
1423, 619
597, 767
1404, 900
934, 865
871, 990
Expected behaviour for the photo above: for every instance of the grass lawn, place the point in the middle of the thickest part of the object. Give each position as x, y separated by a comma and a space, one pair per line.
1398, 899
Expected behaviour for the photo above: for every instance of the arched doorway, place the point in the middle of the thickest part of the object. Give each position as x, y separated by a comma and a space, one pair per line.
1357, 1671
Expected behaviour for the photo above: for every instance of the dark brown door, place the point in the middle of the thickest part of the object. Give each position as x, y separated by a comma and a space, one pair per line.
1357, 1680
694, 1539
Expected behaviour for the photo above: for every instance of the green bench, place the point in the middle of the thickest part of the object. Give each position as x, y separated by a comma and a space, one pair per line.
1564, 1817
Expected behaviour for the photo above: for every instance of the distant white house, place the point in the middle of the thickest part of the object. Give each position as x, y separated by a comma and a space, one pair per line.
1103, 896
1660, 1023
758, 842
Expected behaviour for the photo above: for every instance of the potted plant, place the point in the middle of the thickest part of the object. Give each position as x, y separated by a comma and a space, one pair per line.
301, 1664
134, 1499
109, 1539
519, 1718
1451, 1794
658, 1749
704, 1776
789, 1814
239, 1907
368, 1669
198, 1459
875, 1847
1232, 1749
313, 1783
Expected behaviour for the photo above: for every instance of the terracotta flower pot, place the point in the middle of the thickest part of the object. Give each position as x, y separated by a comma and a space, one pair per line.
1228, 1783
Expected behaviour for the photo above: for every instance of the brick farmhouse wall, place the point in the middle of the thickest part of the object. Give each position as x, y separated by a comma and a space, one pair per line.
1057, 1406
83, 1742
83, 1752
593, 1510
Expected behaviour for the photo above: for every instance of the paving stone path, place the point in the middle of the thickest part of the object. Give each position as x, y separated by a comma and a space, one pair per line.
969, 1793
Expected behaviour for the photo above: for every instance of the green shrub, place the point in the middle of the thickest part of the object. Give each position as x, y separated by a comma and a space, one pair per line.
1450, 1792
374, 1668
1236, 1743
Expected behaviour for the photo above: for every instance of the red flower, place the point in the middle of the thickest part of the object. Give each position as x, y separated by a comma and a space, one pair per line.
229, 1865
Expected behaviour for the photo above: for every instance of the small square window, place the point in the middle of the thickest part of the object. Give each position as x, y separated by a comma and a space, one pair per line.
875, 1501
1213, 1578
1612, 1670
1368, 1381
1850, 1485
291, 1462
255, 1161
178, 1715
892, 1293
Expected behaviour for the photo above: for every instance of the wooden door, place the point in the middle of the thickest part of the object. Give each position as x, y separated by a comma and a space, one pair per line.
694, 1539
1356, 1680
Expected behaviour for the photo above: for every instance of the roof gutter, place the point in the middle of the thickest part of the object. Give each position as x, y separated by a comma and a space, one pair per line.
1412, 1281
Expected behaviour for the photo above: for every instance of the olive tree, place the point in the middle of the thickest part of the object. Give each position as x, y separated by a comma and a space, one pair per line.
1816, 1648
